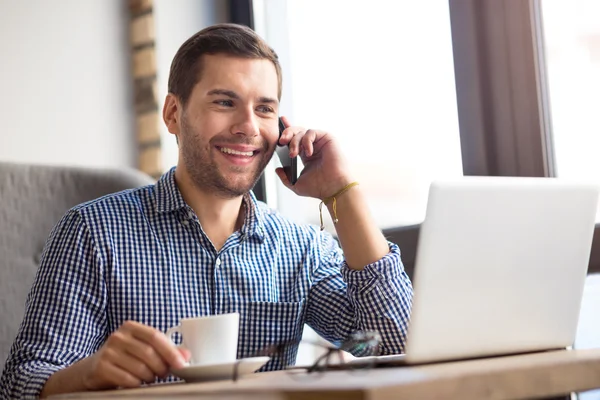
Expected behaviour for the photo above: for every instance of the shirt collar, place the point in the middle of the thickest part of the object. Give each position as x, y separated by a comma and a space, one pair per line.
168, 199
167, 195
254, 218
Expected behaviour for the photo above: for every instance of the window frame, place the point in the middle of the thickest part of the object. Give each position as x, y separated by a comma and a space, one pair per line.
501, 75
242, 12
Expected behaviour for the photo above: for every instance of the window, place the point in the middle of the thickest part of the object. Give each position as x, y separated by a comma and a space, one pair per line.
379, 75
572, 54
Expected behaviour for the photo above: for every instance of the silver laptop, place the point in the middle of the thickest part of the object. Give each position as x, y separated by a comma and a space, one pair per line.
501, 266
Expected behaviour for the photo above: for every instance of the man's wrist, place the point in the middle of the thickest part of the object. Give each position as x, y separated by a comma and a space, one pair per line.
69, 379
341, 197
335, 185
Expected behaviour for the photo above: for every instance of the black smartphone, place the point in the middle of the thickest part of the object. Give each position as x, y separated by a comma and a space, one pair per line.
289, 164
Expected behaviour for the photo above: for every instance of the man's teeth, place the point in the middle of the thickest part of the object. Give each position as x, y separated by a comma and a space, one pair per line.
238, 153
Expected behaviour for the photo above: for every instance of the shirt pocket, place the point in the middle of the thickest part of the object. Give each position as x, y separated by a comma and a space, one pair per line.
266, 324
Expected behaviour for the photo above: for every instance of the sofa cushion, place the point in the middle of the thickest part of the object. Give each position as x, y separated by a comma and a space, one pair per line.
32, 200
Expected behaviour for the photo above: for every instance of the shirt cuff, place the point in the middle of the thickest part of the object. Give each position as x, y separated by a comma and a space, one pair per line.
38, 376
387, 268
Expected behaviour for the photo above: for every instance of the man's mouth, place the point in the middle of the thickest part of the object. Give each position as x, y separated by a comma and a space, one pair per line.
227, 150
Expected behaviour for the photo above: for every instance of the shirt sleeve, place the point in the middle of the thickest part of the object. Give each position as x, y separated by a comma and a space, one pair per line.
376, 298
64, 314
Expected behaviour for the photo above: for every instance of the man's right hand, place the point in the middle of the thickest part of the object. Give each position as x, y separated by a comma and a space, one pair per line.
133, 354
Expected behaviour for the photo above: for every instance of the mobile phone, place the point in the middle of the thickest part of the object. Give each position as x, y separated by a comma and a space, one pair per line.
289, 164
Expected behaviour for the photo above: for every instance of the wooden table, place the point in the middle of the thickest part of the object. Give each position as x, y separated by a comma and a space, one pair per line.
519, 376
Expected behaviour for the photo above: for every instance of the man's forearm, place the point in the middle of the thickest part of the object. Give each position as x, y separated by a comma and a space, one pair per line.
360, 238
66, 380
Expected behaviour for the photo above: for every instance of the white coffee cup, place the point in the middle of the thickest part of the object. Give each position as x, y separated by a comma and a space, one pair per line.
211, 339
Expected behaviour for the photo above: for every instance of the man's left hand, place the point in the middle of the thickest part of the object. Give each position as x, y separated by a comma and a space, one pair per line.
325, 170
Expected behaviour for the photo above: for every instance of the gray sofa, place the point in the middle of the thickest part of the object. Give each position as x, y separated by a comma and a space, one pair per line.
32, 200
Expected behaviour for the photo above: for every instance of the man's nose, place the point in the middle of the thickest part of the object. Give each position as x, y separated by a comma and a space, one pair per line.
246, 124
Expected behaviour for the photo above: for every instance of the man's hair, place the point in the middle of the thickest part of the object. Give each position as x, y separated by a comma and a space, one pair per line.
230, 39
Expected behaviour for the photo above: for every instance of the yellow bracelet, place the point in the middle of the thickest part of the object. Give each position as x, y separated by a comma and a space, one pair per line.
328, 199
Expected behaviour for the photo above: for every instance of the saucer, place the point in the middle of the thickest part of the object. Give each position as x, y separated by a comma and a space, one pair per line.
210, 372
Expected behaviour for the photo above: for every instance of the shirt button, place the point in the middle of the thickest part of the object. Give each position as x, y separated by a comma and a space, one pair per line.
185, 222
218, 262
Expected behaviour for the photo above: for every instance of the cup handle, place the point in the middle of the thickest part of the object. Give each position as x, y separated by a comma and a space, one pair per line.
169, 334
172, 330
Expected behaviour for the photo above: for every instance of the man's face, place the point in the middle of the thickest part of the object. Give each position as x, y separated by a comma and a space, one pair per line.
228, 129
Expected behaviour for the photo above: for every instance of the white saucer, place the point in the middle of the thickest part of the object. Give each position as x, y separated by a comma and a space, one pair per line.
209, 372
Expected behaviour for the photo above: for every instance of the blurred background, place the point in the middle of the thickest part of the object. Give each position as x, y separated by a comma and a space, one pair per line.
414, 90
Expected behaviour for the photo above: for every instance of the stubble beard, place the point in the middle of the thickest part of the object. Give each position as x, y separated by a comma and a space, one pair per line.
203, 170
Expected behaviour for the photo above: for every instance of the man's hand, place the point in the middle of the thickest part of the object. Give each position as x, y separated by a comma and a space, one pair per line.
133, 354
325, 169
325, 173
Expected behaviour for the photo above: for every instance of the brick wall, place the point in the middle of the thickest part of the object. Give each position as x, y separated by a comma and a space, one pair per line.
142, 39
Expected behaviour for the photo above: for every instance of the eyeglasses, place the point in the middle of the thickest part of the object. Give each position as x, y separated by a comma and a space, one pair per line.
362, 344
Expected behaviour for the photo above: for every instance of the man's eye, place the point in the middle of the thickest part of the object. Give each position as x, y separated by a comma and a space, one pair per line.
265, 109
225, 103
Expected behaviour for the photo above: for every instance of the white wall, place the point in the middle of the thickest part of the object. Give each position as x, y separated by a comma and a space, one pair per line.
65, 85
176, 21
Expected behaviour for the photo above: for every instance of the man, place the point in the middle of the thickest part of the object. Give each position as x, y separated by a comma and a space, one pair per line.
118, 271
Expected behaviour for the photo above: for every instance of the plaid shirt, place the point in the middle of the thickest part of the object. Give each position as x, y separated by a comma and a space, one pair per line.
142, 255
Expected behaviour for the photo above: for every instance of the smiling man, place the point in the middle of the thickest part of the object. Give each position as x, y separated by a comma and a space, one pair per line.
118, 271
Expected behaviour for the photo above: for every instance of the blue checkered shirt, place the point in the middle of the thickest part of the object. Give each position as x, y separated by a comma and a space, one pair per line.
142, 255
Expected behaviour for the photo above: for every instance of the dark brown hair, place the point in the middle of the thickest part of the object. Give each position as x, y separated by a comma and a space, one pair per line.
231, 39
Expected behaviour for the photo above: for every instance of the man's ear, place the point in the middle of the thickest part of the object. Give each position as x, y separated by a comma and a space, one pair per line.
171, 113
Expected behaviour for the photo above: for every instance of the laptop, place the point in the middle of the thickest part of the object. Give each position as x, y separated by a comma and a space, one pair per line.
501, 266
